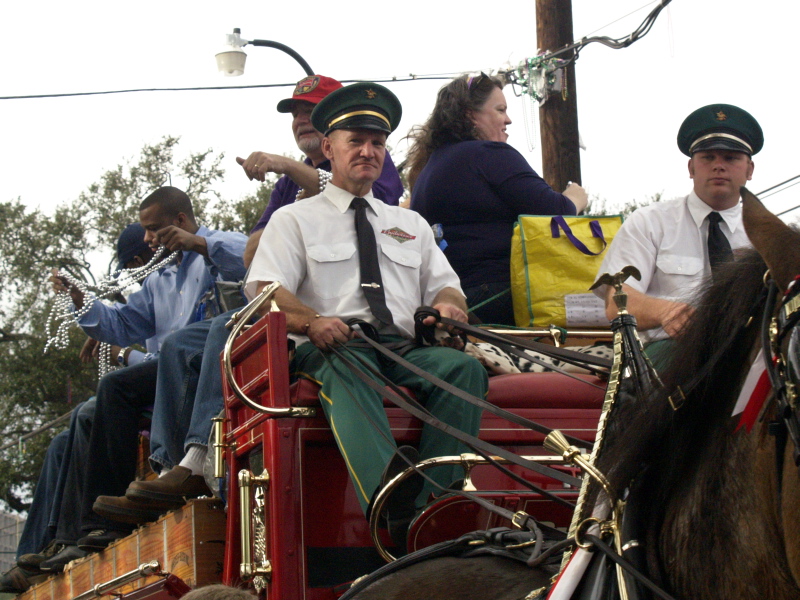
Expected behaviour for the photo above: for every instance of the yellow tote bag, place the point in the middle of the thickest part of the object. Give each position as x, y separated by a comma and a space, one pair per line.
554, 261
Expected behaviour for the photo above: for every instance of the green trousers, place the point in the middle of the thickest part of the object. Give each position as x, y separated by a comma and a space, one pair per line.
358, 419
660, 353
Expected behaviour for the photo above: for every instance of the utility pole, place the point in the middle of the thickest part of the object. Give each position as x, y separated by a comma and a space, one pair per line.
558, 116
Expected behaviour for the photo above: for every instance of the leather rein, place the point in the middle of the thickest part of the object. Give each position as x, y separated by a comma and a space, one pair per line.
779, 328
367, 334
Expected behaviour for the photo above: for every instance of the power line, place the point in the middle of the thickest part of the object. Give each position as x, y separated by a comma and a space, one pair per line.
411, 77
620, 18
777, 185
616, 44
763, 193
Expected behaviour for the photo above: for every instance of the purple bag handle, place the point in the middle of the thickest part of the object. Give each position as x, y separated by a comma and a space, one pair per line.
558, 224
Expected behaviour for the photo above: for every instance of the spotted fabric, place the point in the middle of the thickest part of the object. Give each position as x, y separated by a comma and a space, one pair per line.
498, 362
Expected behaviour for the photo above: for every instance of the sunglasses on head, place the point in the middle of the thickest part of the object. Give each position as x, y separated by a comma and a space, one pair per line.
473, 81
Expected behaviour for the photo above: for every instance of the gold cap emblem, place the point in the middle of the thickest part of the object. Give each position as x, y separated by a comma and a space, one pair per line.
371, 94
721, 116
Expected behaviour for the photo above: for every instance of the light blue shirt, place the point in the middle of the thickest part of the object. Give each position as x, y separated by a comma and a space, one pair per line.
168, 299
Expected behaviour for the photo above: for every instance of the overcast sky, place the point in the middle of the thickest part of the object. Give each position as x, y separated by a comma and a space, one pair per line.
630, 102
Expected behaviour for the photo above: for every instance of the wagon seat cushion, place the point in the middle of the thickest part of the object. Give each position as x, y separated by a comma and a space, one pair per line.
511, 391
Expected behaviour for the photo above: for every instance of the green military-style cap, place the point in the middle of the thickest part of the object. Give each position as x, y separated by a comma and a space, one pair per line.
720, 127
358, 106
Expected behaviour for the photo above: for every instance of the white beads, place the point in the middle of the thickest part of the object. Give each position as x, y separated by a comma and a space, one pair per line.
63, 315
104, 365
324, 178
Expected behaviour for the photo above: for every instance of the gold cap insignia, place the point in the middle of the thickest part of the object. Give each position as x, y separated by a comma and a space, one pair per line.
721, 116
371, 94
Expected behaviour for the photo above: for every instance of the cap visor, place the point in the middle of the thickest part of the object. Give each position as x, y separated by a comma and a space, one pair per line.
362, 122
721, 144
286, 106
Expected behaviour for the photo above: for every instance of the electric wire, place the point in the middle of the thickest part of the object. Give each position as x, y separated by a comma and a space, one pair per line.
614, 43
411, 77
620, 18
777, 185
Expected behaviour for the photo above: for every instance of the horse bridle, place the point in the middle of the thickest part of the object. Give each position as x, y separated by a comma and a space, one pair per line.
784, 368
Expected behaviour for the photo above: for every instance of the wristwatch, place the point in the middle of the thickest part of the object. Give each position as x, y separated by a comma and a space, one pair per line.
121, 357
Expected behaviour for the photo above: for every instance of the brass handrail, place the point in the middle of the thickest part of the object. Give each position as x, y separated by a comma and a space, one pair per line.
236, 324
467, 460
143, 570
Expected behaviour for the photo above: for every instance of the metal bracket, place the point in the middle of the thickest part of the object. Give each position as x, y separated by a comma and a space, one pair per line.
253, 542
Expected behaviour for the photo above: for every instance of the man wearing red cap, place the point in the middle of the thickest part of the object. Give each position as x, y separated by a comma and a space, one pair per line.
303, 179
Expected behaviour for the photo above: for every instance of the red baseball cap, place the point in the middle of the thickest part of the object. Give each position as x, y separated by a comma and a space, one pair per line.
310, 89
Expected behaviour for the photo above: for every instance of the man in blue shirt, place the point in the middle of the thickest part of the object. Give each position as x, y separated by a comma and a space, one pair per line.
42, 523
167, 302
189, 389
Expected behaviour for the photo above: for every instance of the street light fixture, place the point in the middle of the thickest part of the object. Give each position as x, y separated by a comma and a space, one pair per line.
231, 61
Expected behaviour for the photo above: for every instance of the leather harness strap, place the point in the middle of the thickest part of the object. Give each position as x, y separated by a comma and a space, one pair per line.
451, 389
393, 393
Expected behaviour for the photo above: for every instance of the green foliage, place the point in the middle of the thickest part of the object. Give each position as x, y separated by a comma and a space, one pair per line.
35, 387
601, 206
113, 202
242, 215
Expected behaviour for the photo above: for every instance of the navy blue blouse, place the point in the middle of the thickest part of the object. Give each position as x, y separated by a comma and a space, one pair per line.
476, 190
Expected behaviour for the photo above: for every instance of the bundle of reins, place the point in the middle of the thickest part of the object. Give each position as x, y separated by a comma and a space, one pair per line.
366, 334
365, 372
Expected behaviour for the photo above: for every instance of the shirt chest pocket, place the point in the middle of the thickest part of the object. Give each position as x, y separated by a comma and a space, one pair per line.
333, 269
677, 265
401, 269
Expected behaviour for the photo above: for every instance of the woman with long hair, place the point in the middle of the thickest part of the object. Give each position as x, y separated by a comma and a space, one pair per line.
467, 179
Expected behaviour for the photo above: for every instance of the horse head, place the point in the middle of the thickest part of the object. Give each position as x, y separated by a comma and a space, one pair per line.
777, 243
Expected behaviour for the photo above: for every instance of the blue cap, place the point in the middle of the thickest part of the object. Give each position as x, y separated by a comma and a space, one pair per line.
130, 244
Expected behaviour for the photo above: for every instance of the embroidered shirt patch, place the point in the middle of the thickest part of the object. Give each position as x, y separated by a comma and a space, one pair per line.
398, 235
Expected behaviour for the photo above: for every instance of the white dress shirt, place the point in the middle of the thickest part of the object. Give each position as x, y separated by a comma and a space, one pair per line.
667, 242
311, 248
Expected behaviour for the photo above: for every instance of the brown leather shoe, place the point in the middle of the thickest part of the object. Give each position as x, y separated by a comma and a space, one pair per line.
18, 580
125, 510
170, 491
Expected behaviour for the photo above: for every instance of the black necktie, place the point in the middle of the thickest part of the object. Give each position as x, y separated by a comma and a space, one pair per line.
719, 248
371, 281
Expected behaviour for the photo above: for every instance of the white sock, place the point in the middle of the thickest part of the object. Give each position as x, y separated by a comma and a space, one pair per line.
164, 471
194, 459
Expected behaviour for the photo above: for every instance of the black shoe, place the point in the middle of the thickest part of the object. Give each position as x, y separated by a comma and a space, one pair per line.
398, 531
401, 504
100, 538
31, 562
456, 486
56, 564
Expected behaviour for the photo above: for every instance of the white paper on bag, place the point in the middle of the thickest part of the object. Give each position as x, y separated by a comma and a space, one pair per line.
585, 310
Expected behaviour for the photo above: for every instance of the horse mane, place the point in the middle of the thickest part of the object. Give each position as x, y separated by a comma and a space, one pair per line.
645, 433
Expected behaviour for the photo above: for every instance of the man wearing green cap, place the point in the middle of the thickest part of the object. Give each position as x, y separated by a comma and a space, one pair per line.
678, 243
303, 179
343, 255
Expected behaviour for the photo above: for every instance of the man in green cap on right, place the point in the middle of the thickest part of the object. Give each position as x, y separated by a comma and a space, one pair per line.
676, 244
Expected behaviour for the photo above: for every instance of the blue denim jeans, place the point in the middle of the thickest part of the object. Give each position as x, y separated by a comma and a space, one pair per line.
189, 390
43, 515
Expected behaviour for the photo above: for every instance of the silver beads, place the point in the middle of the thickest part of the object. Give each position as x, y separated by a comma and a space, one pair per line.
62, 317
